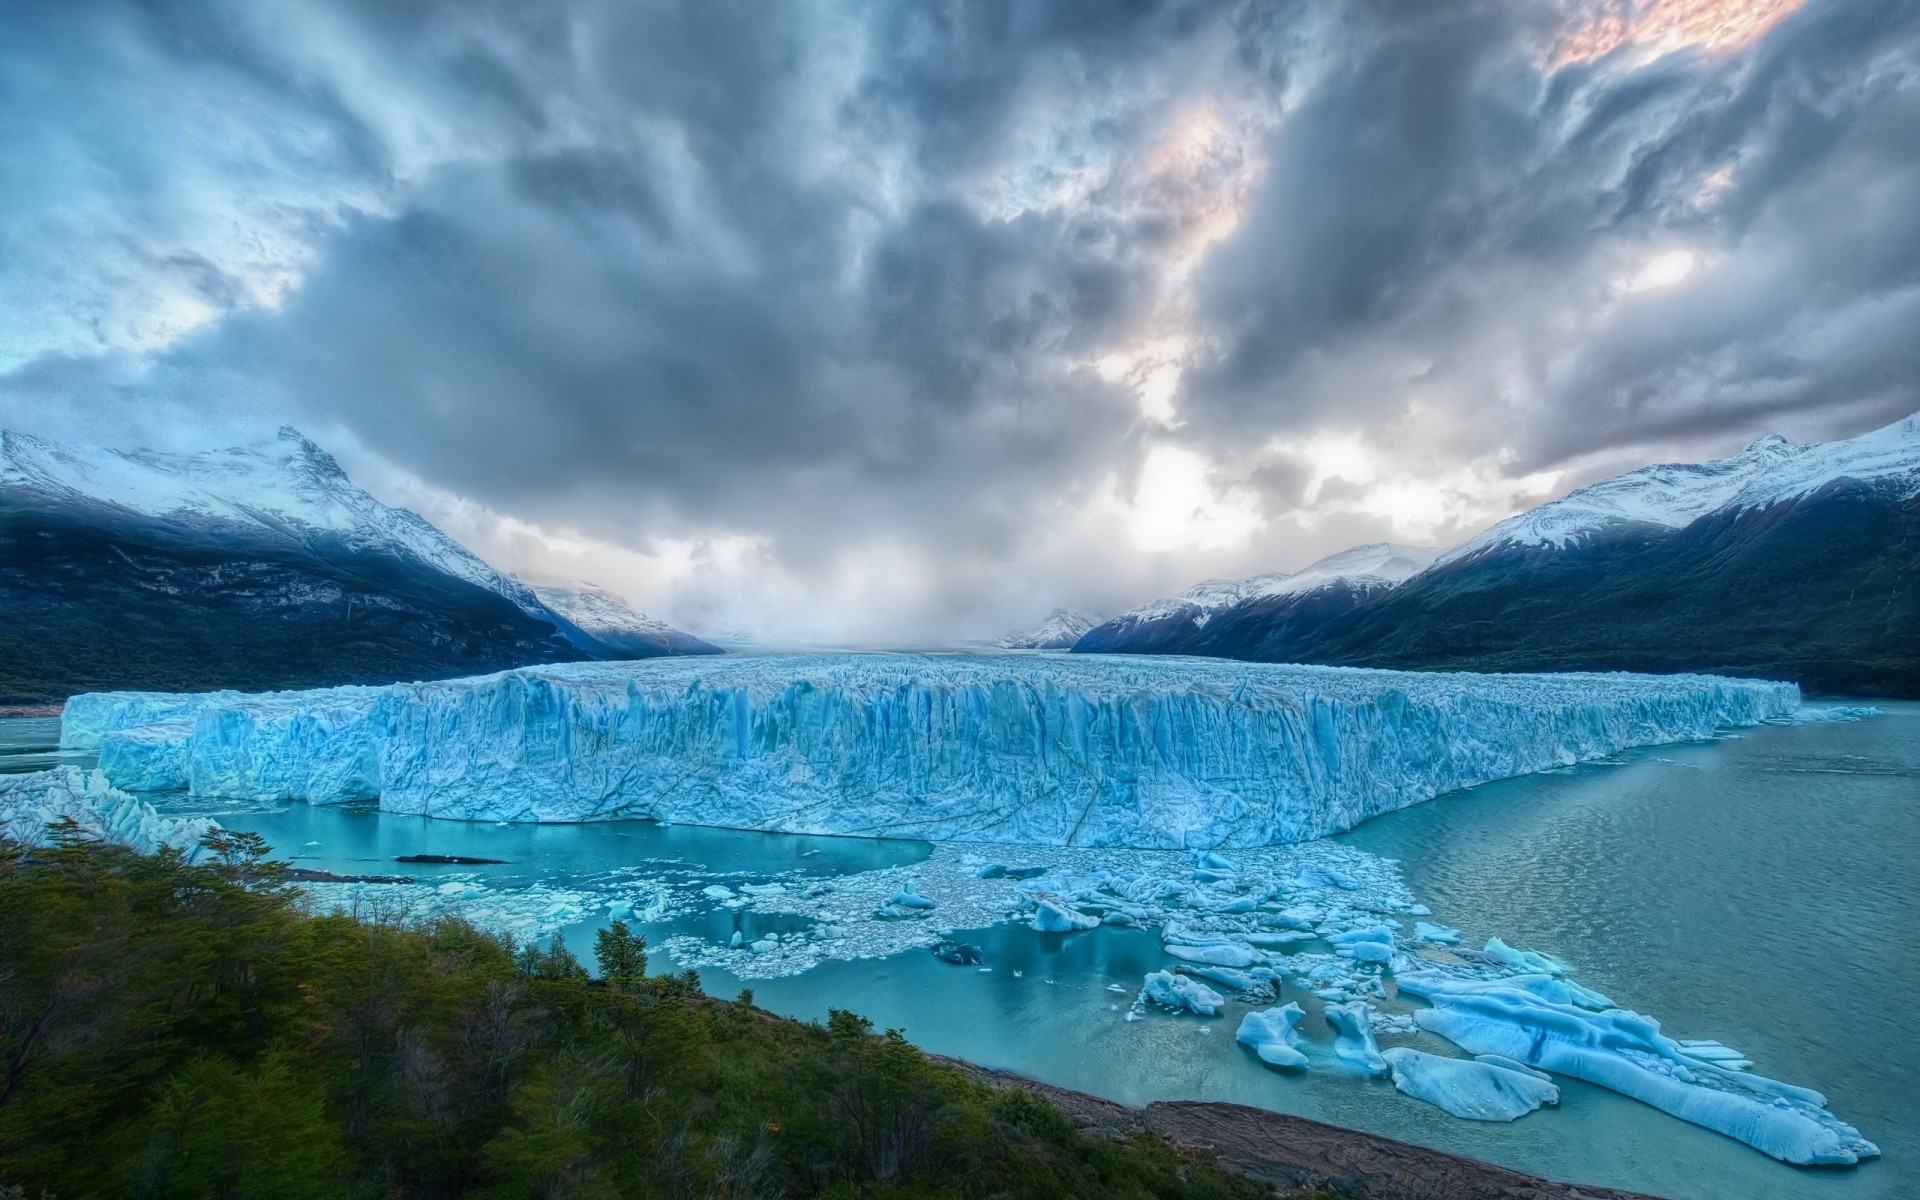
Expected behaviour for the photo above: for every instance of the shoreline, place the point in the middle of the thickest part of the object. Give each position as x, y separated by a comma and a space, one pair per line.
1296, 1153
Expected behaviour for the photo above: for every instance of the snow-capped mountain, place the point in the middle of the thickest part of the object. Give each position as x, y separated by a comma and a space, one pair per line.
611, 621
1674, 495
1172, 625
255, 566
1062, 628
1785, 561
286, 490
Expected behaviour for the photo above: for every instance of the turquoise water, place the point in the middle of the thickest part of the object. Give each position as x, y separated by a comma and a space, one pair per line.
1760, 890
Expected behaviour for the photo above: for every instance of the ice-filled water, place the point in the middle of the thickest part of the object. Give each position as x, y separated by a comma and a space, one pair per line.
1747, 892
1034, 749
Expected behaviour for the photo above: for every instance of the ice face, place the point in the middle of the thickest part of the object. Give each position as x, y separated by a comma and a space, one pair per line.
30, 805
1489, 1088
1034, 749
1626, 1052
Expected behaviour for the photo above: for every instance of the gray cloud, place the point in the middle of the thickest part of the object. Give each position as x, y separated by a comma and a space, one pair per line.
836, 275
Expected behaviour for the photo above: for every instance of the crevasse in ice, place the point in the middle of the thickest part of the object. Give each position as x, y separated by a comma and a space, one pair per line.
1028, 749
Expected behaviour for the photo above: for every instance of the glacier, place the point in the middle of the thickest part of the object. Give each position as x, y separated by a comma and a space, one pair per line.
1030, 749
31, 805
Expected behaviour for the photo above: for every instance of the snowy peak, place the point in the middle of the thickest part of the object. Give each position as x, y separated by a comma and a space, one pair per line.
611, 621
286, 490
1376, 564
1062, 628
1674, 495
597, 610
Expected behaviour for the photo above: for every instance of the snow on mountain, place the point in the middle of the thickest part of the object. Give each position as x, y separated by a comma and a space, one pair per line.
597, 610
1064, 750
284, 489
610, 619
1062, 628
1674, 495
1373, 564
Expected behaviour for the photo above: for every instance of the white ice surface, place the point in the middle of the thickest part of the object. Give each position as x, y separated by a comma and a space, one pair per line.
30, 805
1035, 749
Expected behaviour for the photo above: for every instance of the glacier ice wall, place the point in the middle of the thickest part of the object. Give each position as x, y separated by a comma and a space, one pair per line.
1030, 749
32, 804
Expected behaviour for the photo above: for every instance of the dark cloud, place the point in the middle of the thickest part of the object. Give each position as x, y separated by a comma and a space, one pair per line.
840, 274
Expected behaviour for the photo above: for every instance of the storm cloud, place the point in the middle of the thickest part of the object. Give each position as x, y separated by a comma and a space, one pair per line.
909, 321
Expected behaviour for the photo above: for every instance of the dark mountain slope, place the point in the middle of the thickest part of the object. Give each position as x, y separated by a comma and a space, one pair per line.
94, 600
1823, 589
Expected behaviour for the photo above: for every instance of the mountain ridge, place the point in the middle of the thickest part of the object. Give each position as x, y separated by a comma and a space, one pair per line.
257, 566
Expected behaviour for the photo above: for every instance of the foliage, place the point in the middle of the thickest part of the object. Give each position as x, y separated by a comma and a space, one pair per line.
177, 1030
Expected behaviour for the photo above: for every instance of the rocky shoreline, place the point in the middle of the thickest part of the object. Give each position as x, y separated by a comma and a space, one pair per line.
1294, 1153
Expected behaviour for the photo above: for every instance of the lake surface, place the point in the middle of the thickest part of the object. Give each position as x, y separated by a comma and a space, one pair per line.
1761, 890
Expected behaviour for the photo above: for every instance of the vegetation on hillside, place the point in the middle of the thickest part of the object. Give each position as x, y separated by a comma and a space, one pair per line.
176, 1030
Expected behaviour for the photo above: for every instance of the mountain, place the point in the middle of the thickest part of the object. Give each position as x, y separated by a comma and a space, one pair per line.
1334, 585
1785, 561
1062, 628
254, 567
612, 623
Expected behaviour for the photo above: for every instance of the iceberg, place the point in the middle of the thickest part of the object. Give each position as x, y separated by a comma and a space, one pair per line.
1626, 1052
1032, 749
1051, 914
1272, 1036
1353, 1041
1489, 1088
31, 805
1178, 991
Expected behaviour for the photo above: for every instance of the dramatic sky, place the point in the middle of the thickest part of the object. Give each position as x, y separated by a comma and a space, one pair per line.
889, 322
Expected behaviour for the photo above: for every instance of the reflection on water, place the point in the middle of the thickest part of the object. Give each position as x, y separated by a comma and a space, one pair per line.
1760, 890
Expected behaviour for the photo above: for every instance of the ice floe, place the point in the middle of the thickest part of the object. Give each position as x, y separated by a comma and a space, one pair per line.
1272, 1036
1487, 1088
1622, 1050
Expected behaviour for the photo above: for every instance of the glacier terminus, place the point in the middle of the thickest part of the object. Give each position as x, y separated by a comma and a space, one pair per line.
1032, 749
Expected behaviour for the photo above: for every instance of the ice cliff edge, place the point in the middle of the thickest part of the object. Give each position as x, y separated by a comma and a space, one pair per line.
1033, 749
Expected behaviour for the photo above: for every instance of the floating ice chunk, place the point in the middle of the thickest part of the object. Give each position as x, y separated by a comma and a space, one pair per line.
1626, 1052
1529, 961
1439, 935
909, 897
960, 954
1246, 984
1178, 991
1218, 954
737, 940
1283, 937
1486, 1089
715, 891
1373, 945
1272, 1036
1839, 712
1353, 1041
1053, 915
